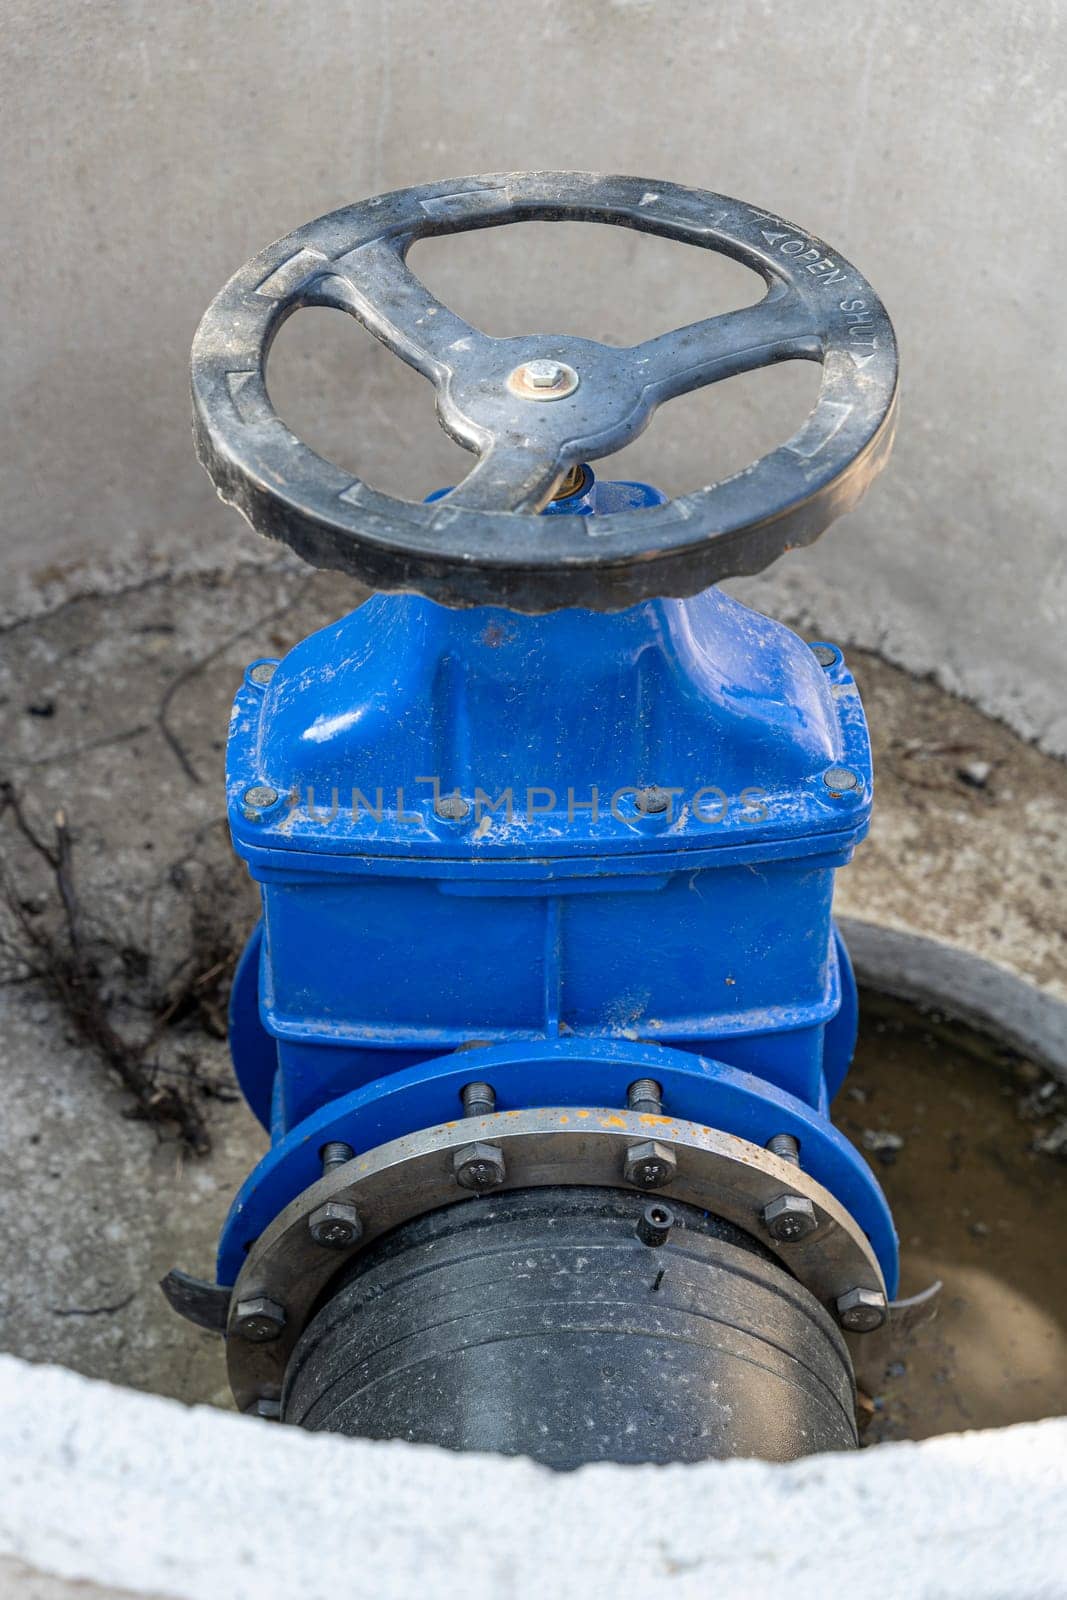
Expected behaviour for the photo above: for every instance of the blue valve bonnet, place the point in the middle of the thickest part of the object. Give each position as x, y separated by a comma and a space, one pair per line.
405, 700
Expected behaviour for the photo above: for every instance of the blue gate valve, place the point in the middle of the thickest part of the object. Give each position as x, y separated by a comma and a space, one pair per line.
547, 1006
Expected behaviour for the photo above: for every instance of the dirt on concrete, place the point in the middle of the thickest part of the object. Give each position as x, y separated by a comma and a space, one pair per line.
968, 843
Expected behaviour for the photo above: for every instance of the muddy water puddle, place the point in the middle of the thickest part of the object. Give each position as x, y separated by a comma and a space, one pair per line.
970, 1146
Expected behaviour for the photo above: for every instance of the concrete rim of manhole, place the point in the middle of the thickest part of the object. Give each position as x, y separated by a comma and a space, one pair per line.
991, 998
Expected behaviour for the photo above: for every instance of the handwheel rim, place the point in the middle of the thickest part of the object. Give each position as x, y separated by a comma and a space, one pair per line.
462, 554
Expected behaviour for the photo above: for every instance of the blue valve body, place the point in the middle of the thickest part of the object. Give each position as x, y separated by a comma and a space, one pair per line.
597, 846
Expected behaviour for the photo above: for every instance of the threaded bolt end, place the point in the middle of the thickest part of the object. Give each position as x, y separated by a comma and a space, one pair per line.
785, 1147
335, 1154
479, 1100
645, 1095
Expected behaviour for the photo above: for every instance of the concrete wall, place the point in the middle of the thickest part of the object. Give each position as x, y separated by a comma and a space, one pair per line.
126, 1494
149, 149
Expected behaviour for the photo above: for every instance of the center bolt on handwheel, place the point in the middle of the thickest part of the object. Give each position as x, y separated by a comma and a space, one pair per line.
547, 1006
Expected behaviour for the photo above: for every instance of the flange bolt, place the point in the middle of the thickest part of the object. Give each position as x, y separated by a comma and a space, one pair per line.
654, 1224
452, 808
479, 1167
649, 1165
258, 1319
862, 1310
790, 1218
785, 1147
645, 1096
840, 780
653, 801
479, 1100
825, 654
335, 1225
335, 1154
260, 797
263, 672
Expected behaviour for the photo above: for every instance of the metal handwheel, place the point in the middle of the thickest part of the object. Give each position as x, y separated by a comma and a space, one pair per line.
533, 407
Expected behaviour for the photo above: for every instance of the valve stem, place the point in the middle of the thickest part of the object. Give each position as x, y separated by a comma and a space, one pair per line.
571, 484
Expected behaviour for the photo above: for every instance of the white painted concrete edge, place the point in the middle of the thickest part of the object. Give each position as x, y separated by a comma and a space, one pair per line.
142, 1495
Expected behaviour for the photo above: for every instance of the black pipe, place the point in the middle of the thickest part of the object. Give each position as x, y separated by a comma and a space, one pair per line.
538, 1322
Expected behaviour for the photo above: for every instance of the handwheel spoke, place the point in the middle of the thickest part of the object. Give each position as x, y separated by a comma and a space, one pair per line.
508, 476
779, 327
374, 284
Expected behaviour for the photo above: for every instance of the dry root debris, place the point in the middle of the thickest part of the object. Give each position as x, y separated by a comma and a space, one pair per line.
53, 939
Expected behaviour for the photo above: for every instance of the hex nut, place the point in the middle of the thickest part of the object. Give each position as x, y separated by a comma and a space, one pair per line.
543, 380
789, 1218
862, 1310
335, 1225
257, 1319
544, 374
479, 1166
650, 1165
